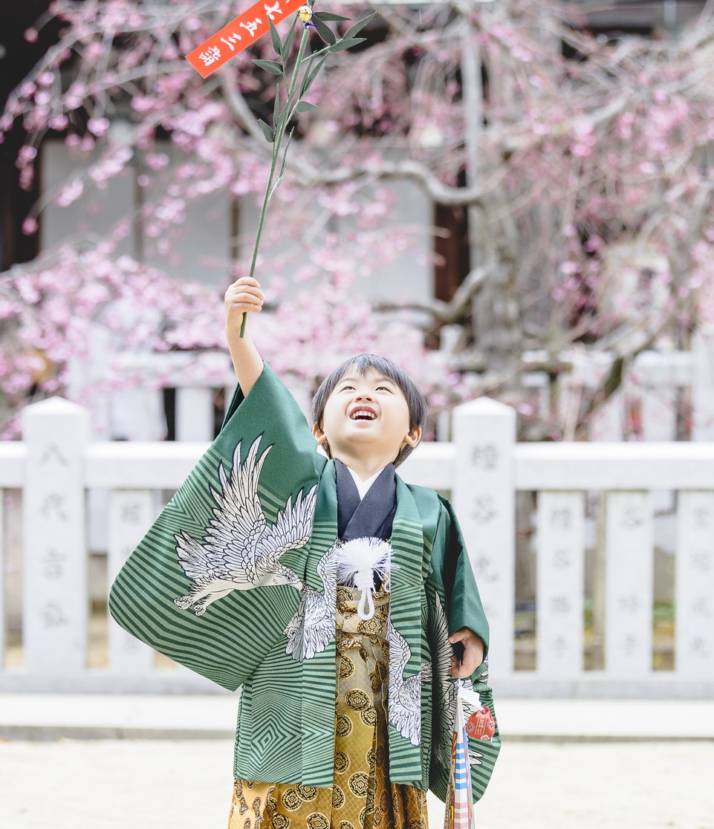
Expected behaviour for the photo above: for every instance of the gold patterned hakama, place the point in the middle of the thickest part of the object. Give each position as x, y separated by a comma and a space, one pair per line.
361, 796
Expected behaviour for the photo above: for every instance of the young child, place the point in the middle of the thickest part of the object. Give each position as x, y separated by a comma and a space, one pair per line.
326, 587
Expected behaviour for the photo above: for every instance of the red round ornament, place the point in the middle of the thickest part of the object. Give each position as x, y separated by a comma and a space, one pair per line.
480, 725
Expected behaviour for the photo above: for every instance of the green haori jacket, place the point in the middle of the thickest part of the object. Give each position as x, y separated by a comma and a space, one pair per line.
235, 580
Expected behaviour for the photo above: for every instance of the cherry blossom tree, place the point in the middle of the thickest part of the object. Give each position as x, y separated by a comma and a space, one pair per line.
589, 190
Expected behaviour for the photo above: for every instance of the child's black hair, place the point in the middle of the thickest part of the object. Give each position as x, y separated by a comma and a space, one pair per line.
362, 363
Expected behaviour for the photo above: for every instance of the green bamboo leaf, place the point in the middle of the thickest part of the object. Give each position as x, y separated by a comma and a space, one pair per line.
311, 74
324, 30
346, 43
282, 168
359, 25
315, 69
277, 45
305, 106
267, 131
285, 154
269, 65
329, 16
288, 42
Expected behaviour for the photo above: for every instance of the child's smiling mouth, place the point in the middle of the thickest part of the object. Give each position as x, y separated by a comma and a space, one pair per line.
363, 414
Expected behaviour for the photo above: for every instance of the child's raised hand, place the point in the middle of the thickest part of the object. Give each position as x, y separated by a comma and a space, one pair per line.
473, 652
242, 295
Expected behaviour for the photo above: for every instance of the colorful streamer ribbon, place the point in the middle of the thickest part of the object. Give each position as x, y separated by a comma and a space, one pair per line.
459, 812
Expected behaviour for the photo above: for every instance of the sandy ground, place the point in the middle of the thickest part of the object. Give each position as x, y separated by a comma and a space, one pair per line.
157, 784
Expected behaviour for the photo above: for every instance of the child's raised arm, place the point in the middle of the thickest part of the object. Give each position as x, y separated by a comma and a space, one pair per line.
242, 296
207, 584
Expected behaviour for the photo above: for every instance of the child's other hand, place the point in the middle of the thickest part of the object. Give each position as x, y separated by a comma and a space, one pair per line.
473, 652
242, 295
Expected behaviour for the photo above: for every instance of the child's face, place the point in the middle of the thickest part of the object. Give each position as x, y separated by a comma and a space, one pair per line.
384, 435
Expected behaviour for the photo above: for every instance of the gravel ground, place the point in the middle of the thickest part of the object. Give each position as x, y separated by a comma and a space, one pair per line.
186, 784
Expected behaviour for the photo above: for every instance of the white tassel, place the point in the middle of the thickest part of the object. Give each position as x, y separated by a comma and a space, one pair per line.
357, 561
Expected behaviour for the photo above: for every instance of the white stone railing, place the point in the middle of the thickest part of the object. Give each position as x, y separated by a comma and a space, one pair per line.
482, 470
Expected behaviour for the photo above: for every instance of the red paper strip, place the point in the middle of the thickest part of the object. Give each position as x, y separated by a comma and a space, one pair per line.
239, 34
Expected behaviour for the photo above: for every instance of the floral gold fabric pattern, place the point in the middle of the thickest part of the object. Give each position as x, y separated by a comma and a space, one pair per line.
361, 796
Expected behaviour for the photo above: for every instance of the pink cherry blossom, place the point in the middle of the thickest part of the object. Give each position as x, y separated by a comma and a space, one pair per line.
572, 178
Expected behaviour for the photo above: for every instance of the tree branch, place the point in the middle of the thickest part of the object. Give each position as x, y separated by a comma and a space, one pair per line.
445, 313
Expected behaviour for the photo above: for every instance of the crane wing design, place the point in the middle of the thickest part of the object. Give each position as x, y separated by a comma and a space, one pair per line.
240, 550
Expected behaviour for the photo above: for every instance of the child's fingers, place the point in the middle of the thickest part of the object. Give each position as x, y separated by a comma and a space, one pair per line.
247, 296
245, 306
243, 297
242, 301
245, 282
248, 290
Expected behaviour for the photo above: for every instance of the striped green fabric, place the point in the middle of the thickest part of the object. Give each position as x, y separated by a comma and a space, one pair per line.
235, 580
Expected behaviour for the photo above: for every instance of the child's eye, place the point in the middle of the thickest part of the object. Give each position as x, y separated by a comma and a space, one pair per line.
344, 388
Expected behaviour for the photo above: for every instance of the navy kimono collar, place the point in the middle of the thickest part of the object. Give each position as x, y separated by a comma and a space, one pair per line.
368, 516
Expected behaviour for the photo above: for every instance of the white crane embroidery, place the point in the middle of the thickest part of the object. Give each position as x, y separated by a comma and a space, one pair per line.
474, 757
241, 550
441, 652
357, 562
312, 628
404, 697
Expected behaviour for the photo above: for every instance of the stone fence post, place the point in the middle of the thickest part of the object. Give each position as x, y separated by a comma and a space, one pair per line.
484, 500
55, 594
